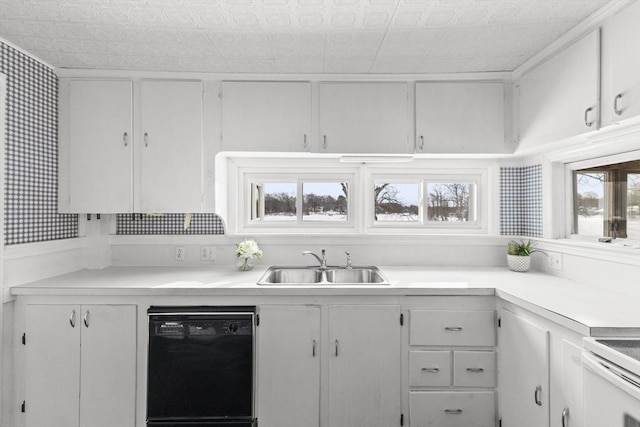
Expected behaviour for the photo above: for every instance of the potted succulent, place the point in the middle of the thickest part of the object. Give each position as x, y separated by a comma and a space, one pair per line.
246, 252
519, 255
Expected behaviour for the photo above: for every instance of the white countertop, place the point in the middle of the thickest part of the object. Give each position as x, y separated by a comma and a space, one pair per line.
586, 309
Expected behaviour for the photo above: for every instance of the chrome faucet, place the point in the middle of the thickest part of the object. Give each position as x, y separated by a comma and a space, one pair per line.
348, 253
322, 261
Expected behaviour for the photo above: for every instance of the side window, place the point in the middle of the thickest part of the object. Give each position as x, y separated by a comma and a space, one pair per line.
606, 201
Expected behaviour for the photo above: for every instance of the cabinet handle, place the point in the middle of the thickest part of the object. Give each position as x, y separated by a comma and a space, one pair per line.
475, 369
453, 411
565, 417
336, 348
125, 139
305, 141
313, 348
615, 105
85, 318
537, 395
586, 117
421, 142
431, 370
324, 141
146, 139
453, 328
72, 319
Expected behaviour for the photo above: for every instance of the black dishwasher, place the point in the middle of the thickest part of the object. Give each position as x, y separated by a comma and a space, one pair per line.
200, 367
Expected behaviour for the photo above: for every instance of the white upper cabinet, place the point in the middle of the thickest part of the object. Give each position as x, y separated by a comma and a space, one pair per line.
363, 118
98, 129
621, 65
460, 118
170, 158
266, 116
559, 98
130, 147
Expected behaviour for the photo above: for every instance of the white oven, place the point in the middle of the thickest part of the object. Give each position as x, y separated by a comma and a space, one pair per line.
611, 382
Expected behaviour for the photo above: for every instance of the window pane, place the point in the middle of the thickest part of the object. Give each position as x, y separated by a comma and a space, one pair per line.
448, 201
324, 201
396, 202
274, 201
633, 206
590, 203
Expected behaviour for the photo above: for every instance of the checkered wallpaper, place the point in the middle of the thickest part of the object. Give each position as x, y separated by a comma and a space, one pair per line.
31, 162
168, 224
521, 201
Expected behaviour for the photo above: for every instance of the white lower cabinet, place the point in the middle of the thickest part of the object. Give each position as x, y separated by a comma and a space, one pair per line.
360, 348
452, 409
452, 368
288, 383
540, 365
80, 365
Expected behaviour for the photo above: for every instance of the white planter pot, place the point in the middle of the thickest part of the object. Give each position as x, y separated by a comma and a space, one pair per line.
519, 263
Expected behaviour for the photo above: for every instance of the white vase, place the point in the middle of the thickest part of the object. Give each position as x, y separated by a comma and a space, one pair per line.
519, 263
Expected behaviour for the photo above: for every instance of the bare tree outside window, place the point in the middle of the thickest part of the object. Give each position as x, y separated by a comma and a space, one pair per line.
448, 201
396, 202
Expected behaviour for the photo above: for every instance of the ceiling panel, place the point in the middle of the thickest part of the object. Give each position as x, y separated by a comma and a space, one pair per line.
290, 36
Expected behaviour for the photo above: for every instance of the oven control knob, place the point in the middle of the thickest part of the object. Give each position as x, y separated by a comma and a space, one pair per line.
233, 327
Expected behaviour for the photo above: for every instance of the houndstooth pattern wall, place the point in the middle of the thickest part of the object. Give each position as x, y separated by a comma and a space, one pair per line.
131, 224
521, 201
31, 162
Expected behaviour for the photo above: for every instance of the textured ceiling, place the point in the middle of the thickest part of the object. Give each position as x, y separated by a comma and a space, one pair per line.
290, 36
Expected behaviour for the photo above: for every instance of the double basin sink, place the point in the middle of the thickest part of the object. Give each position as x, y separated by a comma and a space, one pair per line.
319, 276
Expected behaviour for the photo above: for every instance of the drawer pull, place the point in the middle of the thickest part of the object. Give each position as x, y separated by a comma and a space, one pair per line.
475, 369
453, 411
453, 328
431, 370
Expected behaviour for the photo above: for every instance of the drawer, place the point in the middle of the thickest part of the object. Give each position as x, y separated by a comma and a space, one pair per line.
452, 409
474, 368
430, 368
459, 328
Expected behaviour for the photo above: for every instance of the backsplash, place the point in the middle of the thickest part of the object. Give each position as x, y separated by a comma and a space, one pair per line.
31, 163
141, 224
521, 201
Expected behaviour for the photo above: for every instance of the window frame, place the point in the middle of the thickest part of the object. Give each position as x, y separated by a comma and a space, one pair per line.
477, 177
570, 169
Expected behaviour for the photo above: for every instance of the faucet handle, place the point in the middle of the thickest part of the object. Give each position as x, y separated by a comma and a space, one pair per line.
348, 253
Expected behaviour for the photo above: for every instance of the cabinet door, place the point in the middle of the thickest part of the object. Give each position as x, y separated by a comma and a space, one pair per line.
266, 116
108, 361
523, 372
364, 366
566, 383
100, 137
363, 118
559, 98
460, 118
288, 383
52, 365
170, 174
621, 65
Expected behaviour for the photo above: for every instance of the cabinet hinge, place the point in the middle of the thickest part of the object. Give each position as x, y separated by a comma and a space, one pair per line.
257, 320
401, 419
255, 422
24, 339
23, 407
499, 322
401, 319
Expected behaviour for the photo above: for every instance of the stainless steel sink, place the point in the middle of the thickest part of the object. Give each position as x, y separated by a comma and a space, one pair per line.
291, 275
316, 276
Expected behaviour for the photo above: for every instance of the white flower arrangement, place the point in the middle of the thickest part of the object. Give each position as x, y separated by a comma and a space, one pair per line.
246, 251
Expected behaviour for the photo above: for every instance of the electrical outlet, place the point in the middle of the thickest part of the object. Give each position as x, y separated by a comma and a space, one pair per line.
555, 261
207, 253
180, 253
